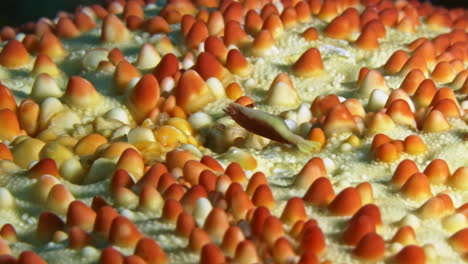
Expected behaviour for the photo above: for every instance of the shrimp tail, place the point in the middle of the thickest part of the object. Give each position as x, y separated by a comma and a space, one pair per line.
308, 146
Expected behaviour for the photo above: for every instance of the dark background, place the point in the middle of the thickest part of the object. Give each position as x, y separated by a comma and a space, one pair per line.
450, 3
16, 12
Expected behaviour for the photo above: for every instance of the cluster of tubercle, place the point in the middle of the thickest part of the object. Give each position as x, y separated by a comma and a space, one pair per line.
126, 138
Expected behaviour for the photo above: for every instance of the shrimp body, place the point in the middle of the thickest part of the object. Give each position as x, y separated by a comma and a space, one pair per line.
269, 126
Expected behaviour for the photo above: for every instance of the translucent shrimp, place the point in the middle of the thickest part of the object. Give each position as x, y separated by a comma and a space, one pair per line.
269, 126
